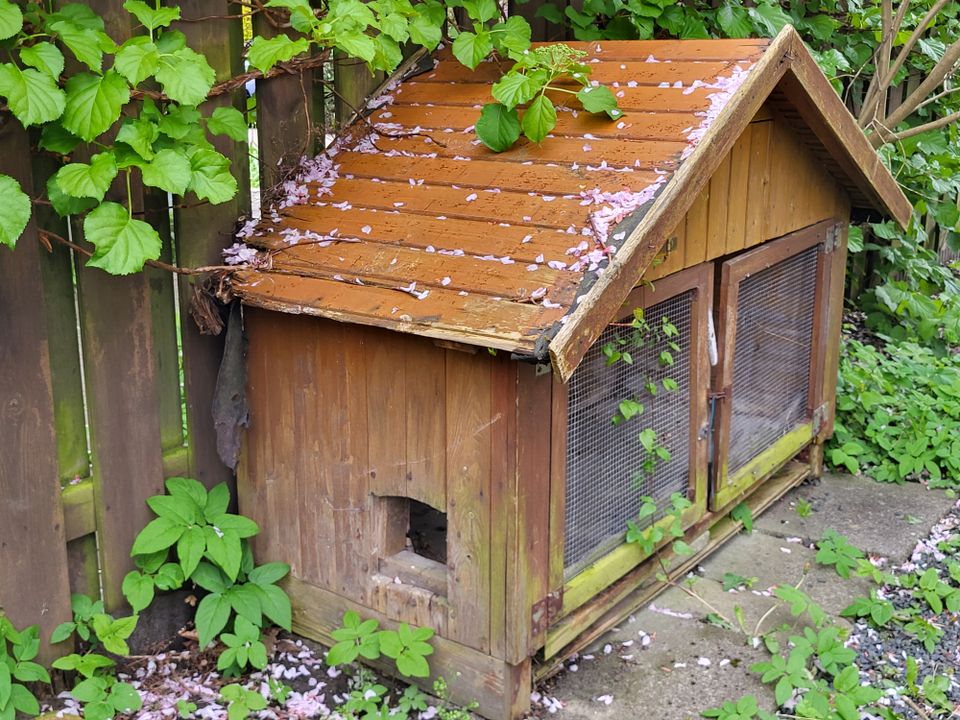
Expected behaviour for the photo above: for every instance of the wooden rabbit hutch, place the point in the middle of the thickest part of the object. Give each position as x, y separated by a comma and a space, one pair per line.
430, 434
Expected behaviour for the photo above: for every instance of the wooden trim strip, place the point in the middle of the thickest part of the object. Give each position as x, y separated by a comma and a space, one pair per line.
598, 306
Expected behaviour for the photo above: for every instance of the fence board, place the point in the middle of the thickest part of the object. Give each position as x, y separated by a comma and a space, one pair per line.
201, 233
30, 481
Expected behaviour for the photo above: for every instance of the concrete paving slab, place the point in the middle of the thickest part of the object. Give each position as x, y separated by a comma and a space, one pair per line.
668, 680
773, 561
880, 518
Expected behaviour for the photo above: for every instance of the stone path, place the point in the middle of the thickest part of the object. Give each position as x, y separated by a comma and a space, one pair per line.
688, 665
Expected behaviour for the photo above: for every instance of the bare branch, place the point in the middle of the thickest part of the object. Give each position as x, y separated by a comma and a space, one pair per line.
930, 83
884, 136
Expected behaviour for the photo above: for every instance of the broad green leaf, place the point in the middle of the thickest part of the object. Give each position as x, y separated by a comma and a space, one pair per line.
264, 53
84, 42
770, 17
470, 49
186, 76
188, 488
515, 88
55, 139
180, 510
498, 127
424, 30
190, 549
218, 500
26, 671
734, 20
62, 631
64, 204
228, 121
211, 178
88, 690
125, 698
24, 701
357, 44
169, 171
597, 99
150, 17
32, 95
139, 135
213, 612
138, 589
513, 35
246, 601
223, 547
275, 604
244, 527
82, 180
11, 22
268, 573
137, 59
209, 577
169, 577
14, 211
94, 103
123, 245
45, 57
539, 119
5, 681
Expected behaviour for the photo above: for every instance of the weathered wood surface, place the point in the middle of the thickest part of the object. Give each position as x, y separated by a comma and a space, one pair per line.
30, 479
348, 423
423, 165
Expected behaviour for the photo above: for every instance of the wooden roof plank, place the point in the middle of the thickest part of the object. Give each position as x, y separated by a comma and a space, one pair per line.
644, 73
445, 315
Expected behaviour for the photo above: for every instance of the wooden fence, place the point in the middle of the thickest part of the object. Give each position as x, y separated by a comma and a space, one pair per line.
106, 384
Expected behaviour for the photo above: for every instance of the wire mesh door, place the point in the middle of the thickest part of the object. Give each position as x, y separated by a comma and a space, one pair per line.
771, 322
608, 468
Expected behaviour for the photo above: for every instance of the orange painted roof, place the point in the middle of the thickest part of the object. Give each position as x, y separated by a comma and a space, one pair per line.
412, 224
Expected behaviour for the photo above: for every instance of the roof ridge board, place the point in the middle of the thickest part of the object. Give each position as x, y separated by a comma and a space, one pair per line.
592, 311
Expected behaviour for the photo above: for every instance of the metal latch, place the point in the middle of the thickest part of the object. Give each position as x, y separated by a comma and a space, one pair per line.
819, 418
545, 612
832, 239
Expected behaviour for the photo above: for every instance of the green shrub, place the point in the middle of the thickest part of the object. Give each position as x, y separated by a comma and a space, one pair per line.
898, 413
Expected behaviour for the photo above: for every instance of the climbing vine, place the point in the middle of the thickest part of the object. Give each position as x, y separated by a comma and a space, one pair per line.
130, 112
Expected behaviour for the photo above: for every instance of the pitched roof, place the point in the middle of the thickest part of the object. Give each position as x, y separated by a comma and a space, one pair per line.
409, 223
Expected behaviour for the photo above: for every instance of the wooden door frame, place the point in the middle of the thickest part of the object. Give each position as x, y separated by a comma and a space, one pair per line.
727, 489
582, 587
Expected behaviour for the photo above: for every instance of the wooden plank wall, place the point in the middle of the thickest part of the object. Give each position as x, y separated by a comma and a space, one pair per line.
78, 466
768, 185
346, 419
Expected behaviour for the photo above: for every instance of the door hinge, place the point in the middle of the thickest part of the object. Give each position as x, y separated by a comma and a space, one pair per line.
545, 612
832, 240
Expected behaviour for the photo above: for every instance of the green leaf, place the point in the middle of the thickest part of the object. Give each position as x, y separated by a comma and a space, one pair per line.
55, 139
14, 211
82, 180
138, 589
89, 690
123, 245
742, 513
539, 119
211, 178
137, 59
11, 22
32, 96
45, 57
94, 103
140, 135
597, 99
190, 549
228, 121
269, 573
169, 577
513, 35
169, 171
125, 698
209, 577
24, 701
515, 88
423, 29
187, 488
770, 17
498, 127
275, 605
357, 44
150, 17
212, 615
244, 527
5, 682
82, 32
62, 631
264, 53
186, 76
471, 48
734, 20
246, 601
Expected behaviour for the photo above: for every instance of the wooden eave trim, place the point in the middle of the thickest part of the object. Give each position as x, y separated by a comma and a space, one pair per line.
427, 330
818, 104
606, 296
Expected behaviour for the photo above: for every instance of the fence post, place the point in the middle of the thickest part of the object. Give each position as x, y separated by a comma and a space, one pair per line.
121, 373
203, 231
33, 562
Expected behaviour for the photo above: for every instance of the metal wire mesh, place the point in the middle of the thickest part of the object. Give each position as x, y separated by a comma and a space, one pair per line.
771, 362
604, 460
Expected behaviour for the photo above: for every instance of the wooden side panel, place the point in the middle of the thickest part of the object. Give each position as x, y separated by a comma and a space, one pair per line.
30, 509
424, 369
767, 186
528, 558
387, 448
468, 432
